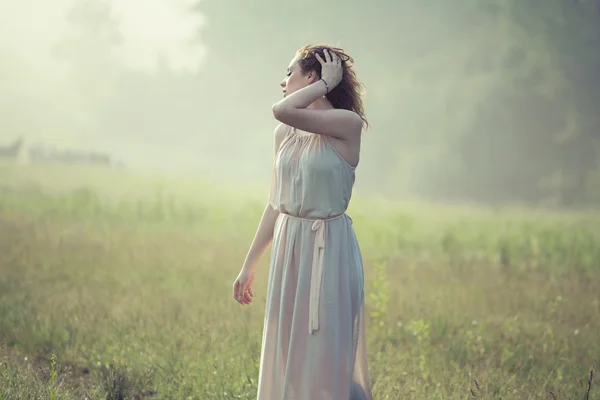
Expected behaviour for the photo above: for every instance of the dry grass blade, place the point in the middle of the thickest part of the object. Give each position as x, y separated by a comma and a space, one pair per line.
589, 386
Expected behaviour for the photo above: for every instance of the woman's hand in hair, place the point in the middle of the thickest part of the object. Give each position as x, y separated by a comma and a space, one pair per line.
331, 68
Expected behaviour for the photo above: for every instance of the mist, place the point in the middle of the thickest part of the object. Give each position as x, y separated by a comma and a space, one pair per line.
490, 103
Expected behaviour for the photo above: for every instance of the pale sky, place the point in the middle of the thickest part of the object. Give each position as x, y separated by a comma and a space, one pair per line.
149, 27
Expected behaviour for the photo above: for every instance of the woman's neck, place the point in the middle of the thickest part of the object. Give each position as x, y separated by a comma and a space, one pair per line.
321, 103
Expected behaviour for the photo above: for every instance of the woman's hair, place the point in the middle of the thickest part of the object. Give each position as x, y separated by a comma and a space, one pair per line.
348, 93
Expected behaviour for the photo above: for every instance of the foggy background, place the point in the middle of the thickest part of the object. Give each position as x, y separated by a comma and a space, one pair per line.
492, 101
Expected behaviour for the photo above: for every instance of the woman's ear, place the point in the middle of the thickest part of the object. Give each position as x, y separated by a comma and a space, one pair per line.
312, 76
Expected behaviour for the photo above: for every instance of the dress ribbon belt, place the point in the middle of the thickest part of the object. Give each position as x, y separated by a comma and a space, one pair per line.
316, 276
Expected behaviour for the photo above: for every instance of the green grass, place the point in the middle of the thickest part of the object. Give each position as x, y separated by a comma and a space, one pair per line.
115, 287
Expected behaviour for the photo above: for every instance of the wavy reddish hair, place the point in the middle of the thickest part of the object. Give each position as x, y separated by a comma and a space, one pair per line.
349, 92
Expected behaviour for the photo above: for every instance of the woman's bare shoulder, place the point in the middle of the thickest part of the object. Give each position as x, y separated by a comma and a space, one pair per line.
281, 131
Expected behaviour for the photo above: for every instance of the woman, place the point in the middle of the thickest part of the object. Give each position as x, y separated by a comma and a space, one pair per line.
313, 344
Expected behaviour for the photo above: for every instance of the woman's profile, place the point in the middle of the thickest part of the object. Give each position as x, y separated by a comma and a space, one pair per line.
313, 343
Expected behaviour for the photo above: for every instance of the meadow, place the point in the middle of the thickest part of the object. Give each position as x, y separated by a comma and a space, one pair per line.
117, 286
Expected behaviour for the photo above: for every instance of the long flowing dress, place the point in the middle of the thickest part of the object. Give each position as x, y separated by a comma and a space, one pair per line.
313, 343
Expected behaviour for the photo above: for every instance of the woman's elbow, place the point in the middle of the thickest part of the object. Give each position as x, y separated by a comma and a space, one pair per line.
278, 111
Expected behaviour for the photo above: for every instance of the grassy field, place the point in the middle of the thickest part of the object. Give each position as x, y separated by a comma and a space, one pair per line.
118, 286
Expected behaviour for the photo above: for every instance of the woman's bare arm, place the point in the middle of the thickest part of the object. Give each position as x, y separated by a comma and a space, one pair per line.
342, 124
262, 238
264, 233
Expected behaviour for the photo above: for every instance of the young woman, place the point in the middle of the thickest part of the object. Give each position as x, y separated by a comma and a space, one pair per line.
313, 344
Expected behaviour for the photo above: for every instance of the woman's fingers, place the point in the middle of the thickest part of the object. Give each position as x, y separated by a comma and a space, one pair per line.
330, 57
319, 58
236, 290
242, 291
336, 58
248, 293
247, 297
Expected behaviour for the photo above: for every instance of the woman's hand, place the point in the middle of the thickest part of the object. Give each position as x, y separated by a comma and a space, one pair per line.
331, 69
242, 287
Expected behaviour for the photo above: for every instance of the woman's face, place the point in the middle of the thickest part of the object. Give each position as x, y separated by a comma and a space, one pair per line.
295, 79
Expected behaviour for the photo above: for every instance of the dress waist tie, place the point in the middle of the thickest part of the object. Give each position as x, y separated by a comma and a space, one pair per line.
316, 276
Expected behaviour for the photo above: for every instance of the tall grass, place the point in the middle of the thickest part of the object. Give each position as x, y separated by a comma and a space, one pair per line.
108, 297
